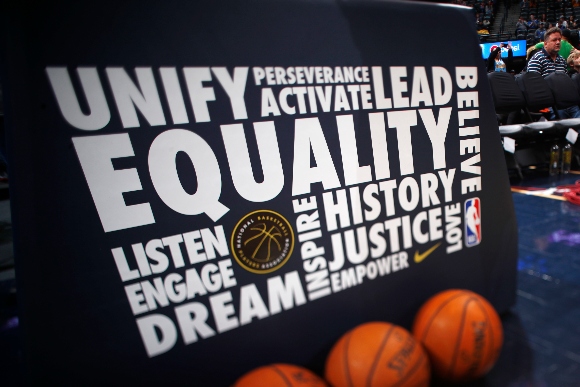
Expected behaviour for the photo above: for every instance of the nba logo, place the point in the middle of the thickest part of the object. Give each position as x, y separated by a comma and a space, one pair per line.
472, 222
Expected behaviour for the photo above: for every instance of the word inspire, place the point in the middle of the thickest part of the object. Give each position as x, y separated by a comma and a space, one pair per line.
185, 284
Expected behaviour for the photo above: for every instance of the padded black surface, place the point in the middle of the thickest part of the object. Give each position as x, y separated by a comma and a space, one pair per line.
536, 91
563, 89
506, 93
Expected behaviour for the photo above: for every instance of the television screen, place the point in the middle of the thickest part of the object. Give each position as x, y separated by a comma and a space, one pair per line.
518, 48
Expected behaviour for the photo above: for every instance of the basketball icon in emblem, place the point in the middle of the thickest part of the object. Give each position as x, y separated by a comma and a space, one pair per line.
262, 241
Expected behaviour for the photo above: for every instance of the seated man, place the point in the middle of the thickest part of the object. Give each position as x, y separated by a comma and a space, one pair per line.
548, 61
532, 23
565, 46
539, 35
521, 25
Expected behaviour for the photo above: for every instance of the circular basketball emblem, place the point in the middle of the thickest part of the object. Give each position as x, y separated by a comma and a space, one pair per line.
262, 241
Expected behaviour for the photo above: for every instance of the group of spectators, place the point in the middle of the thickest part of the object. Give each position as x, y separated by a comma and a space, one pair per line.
485, 7
554, 54
481, 22
555, 4
539, 26
484, 11
556, 48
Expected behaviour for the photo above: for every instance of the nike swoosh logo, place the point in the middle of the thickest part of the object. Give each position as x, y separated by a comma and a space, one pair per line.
420, 257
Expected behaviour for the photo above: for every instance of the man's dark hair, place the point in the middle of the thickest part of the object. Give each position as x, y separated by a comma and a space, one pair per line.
566, 33
553, 30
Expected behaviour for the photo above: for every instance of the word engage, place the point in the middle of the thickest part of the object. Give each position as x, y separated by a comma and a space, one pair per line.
344, 175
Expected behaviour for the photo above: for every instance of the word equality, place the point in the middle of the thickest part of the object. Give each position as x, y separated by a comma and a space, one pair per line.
108, 185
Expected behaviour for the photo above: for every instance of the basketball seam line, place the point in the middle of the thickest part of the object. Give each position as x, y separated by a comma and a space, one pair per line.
411, 372
460, 336
490, 330
378, 355
428, 326
345, 359
283, 376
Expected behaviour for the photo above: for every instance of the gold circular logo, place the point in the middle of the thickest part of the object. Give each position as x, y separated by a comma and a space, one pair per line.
262, 241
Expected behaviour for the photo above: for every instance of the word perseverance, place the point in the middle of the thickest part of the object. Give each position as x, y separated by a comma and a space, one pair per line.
309, 75
144, 95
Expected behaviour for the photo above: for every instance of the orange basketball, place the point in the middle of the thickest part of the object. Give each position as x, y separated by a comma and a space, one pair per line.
461, 332
280, 375
377, 354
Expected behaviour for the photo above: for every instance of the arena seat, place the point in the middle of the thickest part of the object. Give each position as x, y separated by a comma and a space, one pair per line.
525, 93
508, 99
536, 91
538, 95
506, 94
565, 94
576, 79
564, 90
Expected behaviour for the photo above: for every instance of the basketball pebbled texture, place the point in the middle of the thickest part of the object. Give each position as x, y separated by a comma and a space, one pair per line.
280, 375
377, 354
461, 332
